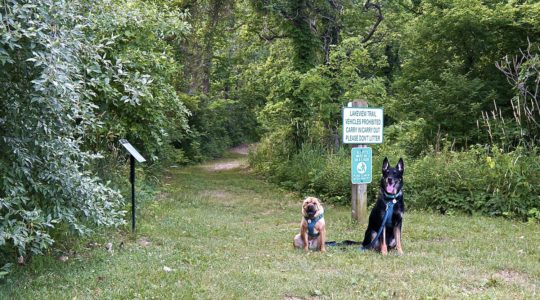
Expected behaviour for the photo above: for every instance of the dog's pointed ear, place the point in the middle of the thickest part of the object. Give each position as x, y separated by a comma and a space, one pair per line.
385, 165
400, 165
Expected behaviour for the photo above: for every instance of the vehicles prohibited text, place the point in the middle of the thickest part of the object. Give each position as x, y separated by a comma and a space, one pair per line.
362, 125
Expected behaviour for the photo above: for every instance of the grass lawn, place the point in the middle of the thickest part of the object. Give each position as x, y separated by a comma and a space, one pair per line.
219, 233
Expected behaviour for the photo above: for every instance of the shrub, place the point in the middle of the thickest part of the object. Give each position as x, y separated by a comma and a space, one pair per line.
486, 181
333, 180
477, 181
47, 111
140, 102
312, 170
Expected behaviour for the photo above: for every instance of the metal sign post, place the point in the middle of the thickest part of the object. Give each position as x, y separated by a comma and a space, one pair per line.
133, 155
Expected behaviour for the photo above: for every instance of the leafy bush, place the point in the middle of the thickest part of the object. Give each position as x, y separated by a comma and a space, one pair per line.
486, 181
478, 181
333, 180
271, 153
139, 103
46, 112
310, 171
408, 136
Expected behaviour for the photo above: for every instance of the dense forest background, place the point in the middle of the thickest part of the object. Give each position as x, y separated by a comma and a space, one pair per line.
184, 80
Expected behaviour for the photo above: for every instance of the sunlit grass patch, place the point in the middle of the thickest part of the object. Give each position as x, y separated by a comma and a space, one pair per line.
227, 235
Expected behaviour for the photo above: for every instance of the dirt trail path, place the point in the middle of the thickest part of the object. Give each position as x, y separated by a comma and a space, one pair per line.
242, 149
234, 163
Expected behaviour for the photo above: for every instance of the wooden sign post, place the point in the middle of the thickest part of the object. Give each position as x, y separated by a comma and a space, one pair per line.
359, 191
361, 126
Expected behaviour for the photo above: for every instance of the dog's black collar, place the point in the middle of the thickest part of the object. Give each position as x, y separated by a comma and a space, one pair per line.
389, 197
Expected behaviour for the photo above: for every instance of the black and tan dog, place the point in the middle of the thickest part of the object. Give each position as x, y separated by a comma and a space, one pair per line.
312, 228
391, 198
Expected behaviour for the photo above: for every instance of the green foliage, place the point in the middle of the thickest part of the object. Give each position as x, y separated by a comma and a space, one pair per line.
218, 89
295, 20
485, 181
478, 181
523, 73
309, 103
212, 126
141, 39
46, 112
448, 75
451, 101
333, 178
312, 170
407, 136
272, 152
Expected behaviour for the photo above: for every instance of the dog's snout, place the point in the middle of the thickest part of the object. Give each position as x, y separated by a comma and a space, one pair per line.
311, 209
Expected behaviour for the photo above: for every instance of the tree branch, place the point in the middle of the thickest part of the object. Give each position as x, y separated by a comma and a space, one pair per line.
269, 35
270, 38
379, 16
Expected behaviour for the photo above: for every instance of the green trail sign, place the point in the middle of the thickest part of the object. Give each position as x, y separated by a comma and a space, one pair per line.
361, 165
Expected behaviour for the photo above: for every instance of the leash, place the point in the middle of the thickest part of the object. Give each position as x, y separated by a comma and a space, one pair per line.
344, 243
387, 220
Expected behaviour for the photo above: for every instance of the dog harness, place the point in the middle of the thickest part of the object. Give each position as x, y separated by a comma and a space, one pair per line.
390, 200
311, 225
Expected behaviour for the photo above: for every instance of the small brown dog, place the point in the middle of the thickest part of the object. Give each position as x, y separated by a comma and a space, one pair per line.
312, 228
